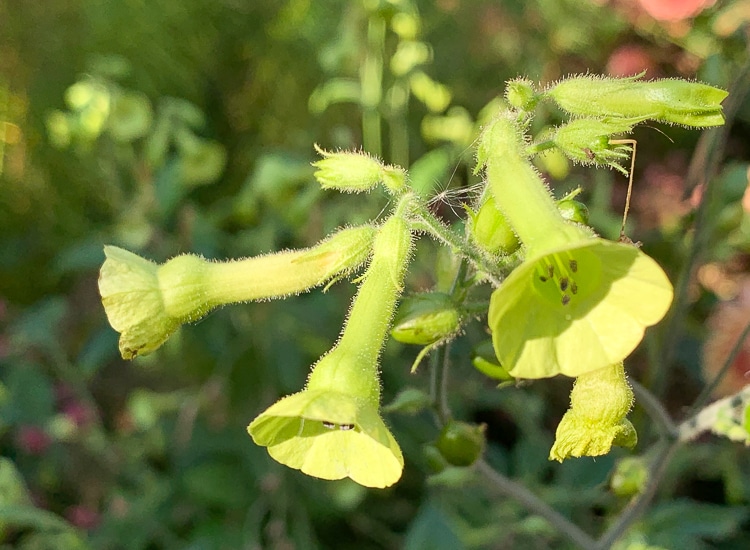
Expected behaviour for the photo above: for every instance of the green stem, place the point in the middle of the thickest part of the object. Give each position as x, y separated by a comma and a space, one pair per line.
371, 82
536, 506
430, 224
399, 130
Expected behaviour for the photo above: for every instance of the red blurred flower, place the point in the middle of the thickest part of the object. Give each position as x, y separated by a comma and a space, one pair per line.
630, 59
79, 413
674, 10
33, 440
726, 325
82, 516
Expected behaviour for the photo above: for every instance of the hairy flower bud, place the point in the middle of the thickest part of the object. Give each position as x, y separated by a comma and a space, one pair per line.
354, 172
427, 318
668, 100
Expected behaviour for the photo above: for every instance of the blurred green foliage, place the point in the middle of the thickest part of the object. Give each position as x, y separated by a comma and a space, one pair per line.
171, 126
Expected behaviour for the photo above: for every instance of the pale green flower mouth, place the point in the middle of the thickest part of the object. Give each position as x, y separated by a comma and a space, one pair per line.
576, 309
330, 435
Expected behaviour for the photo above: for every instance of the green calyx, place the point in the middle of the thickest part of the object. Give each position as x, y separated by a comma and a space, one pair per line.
426, 318
490, 231
673, 101
599, 403
588, 141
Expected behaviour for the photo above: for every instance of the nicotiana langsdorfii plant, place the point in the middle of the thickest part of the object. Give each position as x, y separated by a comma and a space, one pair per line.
565, 301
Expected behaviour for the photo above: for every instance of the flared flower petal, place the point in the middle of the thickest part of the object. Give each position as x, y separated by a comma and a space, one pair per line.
576, 309
330, 435
132, 299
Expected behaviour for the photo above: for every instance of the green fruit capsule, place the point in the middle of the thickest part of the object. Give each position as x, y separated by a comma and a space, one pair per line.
574, 211
424, 319
461, 443
491, 231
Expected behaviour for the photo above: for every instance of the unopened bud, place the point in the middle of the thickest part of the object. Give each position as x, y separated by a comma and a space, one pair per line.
491, 231
667, 100
354, 172
424, 319
574, 211
520, 94
587, 140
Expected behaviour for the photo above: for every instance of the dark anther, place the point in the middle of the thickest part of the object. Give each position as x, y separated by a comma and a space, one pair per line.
565, 299
346, 427
574, 288
329, 425
551, 271
543, 278
573, 265
564, 284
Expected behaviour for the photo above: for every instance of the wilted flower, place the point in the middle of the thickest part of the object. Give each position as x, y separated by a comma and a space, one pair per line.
599, 402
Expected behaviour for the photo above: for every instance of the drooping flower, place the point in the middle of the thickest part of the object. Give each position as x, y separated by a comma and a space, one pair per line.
599, 402
577, 303
576, 308
146, 302
333, 429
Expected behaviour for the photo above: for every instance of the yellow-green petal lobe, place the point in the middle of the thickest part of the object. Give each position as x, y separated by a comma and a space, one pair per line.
330, 435
129, 286
576, 309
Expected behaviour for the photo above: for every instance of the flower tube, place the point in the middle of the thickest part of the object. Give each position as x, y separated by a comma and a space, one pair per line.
146, 302
332, 429
577, 303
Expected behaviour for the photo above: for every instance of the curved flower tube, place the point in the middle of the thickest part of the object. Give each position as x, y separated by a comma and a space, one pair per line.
577, 303
333, 429
146, 302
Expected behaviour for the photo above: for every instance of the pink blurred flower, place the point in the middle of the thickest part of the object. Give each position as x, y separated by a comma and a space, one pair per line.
726, 325
33, 440
630, 59
79, 413
674, 10
82, 516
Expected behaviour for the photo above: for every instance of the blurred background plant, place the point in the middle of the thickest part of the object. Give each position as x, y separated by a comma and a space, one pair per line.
172, 126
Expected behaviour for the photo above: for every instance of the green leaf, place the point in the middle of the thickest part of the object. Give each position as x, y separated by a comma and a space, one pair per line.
430, 529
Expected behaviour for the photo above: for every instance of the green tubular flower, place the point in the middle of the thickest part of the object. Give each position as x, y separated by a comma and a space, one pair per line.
599, 403
673, 101
333, 429
146, 302
577, 303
